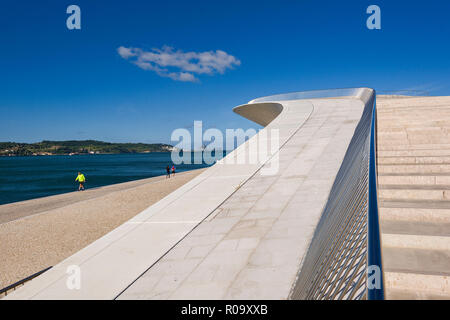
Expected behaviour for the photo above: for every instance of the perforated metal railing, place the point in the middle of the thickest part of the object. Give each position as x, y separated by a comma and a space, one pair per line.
344, 257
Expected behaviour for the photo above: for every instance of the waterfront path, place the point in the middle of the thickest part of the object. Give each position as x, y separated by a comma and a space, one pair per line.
42, 232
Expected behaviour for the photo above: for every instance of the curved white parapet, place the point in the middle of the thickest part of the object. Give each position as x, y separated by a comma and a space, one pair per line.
268, 209
262, 113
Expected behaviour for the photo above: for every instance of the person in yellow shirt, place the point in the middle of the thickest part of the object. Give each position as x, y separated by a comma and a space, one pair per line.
81, 179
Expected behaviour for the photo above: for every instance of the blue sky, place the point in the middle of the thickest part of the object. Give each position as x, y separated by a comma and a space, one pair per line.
60, 84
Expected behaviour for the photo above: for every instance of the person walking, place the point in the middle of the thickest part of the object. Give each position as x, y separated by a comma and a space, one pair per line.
81, 180
173, 170
168, 172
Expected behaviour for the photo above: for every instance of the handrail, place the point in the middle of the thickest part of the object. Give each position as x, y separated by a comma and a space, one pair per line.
373, 228
344, 257
18, 283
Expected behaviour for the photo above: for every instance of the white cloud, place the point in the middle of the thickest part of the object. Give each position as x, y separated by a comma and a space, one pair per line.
125, 52
179, 65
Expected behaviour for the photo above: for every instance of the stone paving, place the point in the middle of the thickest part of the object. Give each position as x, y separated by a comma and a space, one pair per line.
251, 246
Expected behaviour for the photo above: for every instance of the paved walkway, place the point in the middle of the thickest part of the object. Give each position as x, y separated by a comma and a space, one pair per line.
252, 246
414, 179
48, 230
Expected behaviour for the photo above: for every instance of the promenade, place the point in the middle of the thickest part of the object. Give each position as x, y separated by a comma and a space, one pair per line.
39, 233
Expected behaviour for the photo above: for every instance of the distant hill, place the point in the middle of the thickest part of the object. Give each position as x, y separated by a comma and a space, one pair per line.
78, 147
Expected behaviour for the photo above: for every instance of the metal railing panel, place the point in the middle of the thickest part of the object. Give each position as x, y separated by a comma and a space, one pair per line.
347, 238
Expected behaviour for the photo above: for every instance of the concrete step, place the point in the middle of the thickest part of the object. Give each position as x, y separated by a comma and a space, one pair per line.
411, 286
413, 134
406, 180
407, 192
417, 204
414, 140
416, 254
413, 153
412, 147
414, 160
398, 125
414, 174
428, 129
414, 168
415, 221
416, 214
435, 187
440, 181
399, 129
413, 113
416, 228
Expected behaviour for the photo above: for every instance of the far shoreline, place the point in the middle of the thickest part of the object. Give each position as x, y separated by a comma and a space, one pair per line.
79, 154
